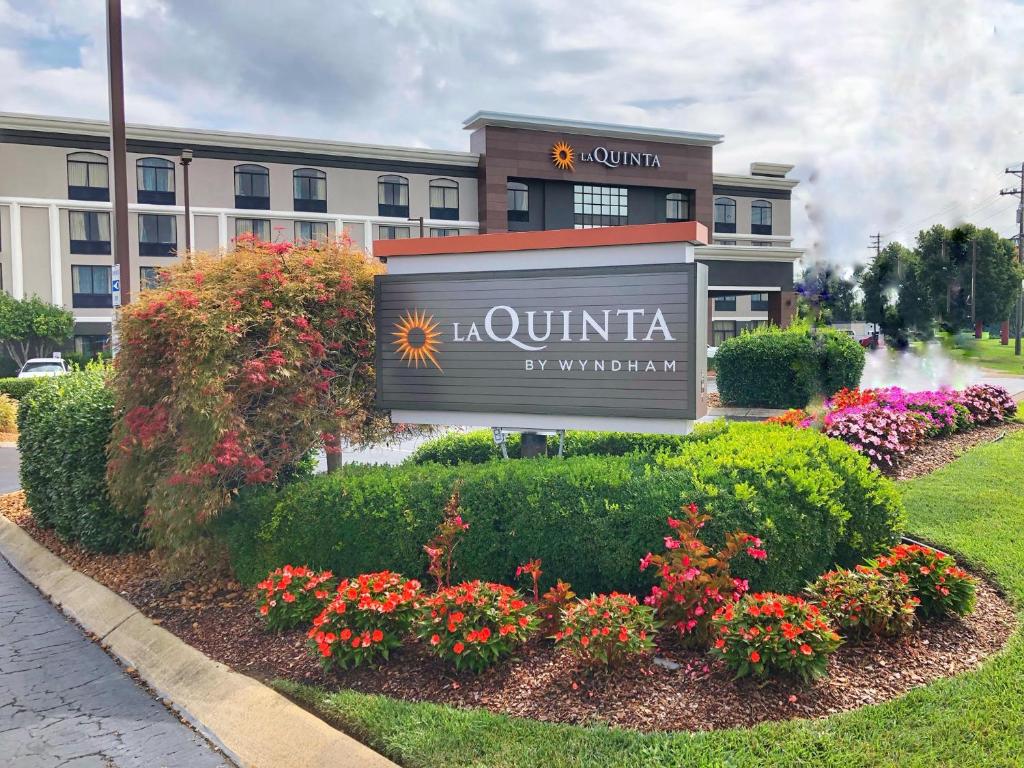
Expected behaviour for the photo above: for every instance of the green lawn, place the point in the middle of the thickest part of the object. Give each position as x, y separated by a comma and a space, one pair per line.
974, 506
986, 352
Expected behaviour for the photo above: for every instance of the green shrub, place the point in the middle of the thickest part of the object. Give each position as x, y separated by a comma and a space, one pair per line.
589, 518
18, 388
478, 446
815, 502
64, 424
8, 413
771, 367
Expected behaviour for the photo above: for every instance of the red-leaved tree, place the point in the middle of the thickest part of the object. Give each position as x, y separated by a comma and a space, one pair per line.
232, 370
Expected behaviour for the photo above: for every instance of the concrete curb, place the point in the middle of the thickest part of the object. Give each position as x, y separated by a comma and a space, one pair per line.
254, 725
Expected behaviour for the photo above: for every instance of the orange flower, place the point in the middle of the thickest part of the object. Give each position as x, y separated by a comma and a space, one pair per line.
806, 650
458, 648
755, 656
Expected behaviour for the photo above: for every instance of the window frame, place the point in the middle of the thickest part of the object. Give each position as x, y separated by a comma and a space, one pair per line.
90, 299
89, 191
760, 227
300, 239
444, 186
91, 246
393, 186
447, 232
757, 304
513, 191
721, 334
249, 172
683, 200
612, 202
159, 247
726, 301
728, 206
240, 219
304, 177
144, 283
394, 230
155, 196
80, 348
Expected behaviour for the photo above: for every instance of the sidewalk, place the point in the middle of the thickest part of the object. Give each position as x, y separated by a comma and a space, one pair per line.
64, 702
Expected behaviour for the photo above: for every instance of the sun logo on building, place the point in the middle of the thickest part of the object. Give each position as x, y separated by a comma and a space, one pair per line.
417, 339
563, 156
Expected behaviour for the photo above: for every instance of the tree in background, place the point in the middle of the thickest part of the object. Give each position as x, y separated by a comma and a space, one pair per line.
234, 369
32, 328
828, 296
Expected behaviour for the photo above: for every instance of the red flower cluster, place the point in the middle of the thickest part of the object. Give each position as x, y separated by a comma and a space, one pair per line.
850, 398
693, 580
531, 569
767, 633
797, 418
369, 615
866, 601
476, 623
608, 629
942, 587
291, 596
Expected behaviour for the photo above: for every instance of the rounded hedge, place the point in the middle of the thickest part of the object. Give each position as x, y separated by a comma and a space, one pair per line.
589, 518
18, 388
772, 367
64, 425
478, 446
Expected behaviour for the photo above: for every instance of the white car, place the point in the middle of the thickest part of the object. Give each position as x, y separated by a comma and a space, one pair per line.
43, 366
712, 351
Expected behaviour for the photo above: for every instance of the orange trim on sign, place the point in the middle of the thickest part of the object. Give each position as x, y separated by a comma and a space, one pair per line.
692, 232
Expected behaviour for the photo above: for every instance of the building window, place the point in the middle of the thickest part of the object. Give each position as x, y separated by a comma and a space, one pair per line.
258, 228
759, 302
310, 193
725, 242
92, 345
155, 177
444, 199
725, 303
393, 196
742, 326
722, 330
158, 234
90, 287
596, 206
252, 186
518, 201
89, 232
725, 214
444, 232
87, 176
677, 206
391, 232
149, 277
310, 231
761, 217
761, 243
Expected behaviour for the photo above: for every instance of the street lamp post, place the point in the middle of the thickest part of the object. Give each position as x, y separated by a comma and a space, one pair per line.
420, 220
186, 160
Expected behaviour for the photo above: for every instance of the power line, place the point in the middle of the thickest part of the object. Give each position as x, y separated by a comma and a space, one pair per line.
876, 243
908, 229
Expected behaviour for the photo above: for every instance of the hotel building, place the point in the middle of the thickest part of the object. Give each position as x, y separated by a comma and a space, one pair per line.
521, 173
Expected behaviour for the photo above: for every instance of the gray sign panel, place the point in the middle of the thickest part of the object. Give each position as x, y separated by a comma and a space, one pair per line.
597, 341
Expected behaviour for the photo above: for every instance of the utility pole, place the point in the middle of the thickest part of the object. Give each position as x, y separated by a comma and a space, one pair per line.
876, 243
974, 295
1019, 191
121, 283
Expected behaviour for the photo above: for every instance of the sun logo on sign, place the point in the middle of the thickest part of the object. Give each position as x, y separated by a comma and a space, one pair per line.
563, 156
417, 339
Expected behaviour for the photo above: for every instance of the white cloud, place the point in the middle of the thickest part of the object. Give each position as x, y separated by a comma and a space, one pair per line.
897, 115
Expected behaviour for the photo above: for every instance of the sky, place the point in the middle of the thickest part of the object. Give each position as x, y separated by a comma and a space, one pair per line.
898, 114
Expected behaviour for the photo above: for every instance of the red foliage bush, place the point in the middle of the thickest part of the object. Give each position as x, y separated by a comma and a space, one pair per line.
942, 587
368, 617
291, 596
866, 601
608, 629
232, 370
767, 633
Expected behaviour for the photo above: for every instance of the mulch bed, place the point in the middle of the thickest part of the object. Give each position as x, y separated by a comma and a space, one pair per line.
938, 452
217, 617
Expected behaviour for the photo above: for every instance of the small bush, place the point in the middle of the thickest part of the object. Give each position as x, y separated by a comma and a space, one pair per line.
608, 629
772, 367
8, 414
64, 425
694, 580
475, 624
478, 446
988, 404
884, 435
368, 617
767, 633
291, 596
943, 588
865, 601
18, 388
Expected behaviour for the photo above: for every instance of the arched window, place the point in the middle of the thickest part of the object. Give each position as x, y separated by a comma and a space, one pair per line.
518, 201
87, 176
310, 190
155, 179
761, 217
393, 196
677, 207
444, 199
252, 186
725, 214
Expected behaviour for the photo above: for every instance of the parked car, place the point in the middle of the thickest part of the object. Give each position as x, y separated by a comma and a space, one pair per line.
43, 366
712, 351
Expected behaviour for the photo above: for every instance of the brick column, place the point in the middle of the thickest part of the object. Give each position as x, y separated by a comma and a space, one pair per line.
781, 308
